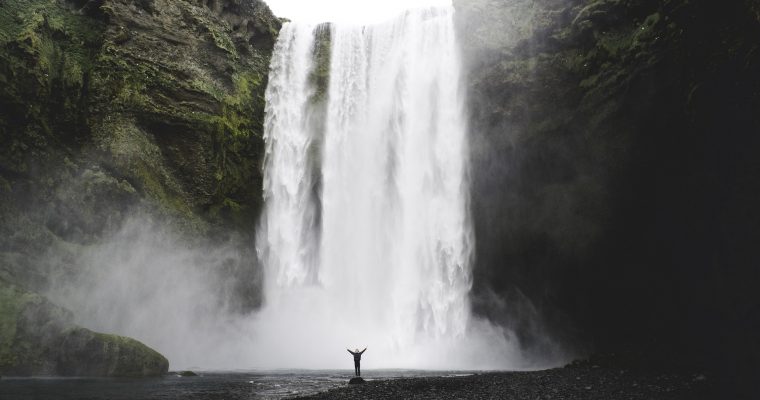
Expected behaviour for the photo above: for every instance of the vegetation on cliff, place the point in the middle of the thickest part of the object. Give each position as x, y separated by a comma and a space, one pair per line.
112, 107
166, 97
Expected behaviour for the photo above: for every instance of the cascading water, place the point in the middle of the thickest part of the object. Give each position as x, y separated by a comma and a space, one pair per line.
379, 255
289, 223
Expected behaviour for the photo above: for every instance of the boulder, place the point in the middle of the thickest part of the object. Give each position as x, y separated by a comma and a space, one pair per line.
40, 338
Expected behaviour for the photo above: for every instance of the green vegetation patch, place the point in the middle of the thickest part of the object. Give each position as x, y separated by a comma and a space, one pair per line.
38, 338
12, 303
57, 42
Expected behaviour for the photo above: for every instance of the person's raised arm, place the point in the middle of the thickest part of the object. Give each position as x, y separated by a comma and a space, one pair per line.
362, 352
350, 351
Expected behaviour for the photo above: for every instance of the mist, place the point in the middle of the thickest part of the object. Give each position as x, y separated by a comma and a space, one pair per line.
148, 282
145, 282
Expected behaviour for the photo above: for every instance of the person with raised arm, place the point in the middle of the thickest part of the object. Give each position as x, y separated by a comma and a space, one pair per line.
357, 360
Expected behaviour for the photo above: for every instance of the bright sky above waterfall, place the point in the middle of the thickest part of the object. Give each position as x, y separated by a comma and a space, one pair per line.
346, 11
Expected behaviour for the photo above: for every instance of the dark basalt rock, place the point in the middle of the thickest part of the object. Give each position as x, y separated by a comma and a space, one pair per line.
186, 373
356, 381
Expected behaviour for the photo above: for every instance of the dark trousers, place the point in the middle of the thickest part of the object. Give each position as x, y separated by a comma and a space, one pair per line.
357, 369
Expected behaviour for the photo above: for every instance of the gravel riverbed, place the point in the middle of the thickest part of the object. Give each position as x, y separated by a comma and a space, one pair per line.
584, 381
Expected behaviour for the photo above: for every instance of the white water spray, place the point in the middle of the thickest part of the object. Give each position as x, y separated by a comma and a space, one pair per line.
381, 256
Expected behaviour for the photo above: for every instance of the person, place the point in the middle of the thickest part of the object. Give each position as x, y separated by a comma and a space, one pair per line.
357, 359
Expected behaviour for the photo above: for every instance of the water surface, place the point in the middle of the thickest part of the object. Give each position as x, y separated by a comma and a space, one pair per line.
208, 385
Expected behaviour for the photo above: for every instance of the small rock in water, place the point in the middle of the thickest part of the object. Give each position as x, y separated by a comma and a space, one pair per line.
186, 373
356, 380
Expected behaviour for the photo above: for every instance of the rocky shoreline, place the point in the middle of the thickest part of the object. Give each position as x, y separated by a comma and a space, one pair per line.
583, 380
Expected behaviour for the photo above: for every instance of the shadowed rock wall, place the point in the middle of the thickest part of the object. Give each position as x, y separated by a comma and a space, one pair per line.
615, 176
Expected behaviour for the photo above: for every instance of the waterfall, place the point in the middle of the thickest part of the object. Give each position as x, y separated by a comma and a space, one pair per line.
288, 227
369, 241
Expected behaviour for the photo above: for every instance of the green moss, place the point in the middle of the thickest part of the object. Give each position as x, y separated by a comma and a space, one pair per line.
239, 122
219, 31
137, 86
234, 127
100, 82
223, 41
46, 53
232, 115
129, 357
27, 323
59, 43
209, 87
12, 303
37, 337
156, 189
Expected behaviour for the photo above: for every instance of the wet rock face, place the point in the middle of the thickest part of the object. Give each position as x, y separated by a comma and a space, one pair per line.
111, 107
178, 102
165, 97
39, 338
612, 181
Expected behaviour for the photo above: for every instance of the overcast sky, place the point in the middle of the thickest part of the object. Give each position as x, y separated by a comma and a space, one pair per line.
355, 11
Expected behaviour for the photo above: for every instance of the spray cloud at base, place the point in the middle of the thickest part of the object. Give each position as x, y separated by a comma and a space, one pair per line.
149, 282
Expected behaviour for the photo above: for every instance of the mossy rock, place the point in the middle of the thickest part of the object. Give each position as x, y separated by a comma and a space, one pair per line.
39, 338
87, 353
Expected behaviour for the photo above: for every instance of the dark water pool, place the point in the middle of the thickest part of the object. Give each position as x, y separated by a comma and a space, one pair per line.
208, 385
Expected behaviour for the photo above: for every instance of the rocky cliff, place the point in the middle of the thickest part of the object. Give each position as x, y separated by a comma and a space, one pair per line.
112, 107
615, 172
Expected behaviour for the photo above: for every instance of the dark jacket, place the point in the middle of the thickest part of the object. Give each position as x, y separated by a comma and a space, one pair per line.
357, 356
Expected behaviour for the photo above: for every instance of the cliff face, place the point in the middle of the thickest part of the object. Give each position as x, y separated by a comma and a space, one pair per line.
613, 171
110, 107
